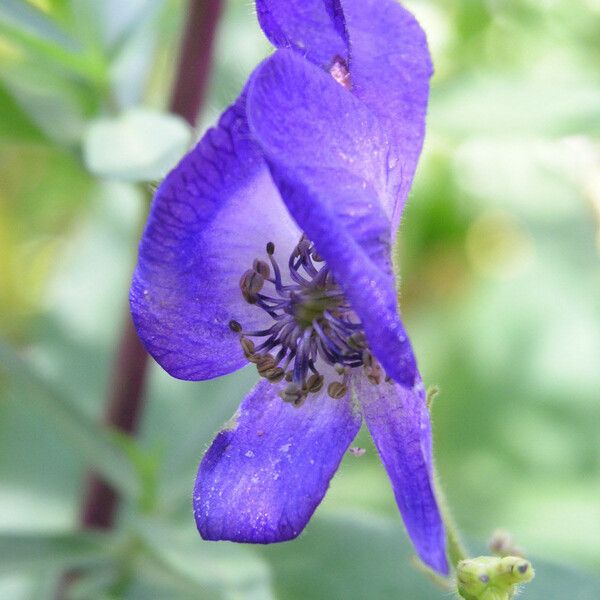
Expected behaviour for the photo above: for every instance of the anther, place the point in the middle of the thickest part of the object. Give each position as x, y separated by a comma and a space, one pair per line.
337, 389
247, 346
265, 363
314, 383
275, 375
292, 394
270, 248
261, 267
339, 369
375, 375
357, 340
235, 326
251, 283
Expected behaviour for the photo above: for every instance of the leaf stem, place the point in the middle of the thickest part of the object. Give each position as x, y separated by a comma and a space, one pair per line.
455, 548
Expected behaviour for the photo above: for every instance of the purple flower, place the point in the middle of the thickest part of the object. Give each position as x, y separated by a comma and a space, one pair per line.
270, 243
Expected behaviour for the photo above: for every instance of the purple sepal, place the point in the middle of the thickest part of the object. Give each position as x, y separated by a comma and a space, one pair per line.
390, 68
398, 420
196, 245
312, 28
389, 63
267, 471
328, 159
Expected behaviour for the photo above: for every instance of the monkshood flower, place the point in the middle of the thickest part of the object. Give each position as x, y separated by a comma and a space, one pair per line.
270, 243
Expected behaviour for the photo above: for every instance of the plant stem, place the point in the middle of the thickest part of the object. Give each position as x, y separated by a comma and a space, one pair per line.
195, 58
124, 406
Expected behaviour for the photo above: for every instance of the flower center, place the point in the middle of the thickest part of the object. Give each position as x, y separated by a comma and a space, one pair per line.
313, 326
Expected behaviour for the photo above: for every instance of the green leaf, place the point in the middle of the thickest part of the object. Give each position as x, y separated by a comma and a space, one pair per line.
88, 438
44, 551
147, 463
14, 122
36, 34
112, 22
93, 583
139, 145
56, 104
334, 555
21, 16
133, 57
217, 570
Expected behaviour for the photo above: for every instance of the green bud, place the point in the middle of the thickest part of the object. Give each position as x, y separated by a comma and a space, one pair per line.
492, 578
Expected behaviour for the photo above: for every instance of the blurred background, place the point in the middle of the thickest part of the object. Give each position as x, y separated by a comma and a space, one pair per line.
499, 254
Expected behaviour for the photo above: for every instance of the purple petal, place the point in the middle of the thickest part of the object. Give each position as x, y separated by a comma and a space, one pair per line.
398, 420
311, 27
328, 156
197, 243
267, 471
390, 69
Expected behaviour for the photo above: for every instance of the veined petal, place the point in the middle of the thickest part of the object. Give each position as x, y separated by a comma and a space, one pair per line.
267, 471
390, 68
328, 156
313, 28
210, 218
398, 420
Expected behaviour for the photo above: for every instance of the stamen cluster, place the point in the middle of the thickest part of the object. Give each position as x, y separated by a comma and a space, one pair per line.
313, 325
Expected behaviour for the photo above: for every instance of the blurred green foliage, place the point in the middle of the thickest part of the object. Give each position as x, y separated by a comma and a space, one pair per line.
501, 293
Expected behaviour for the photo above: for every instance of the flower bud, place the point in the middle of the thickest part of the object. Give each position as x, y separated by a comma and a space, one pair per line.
492, 578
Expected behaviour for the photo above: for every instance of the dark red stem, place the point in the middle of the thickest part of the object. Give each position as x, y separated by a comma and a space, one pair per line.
195, 58
125, 399
125, 402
